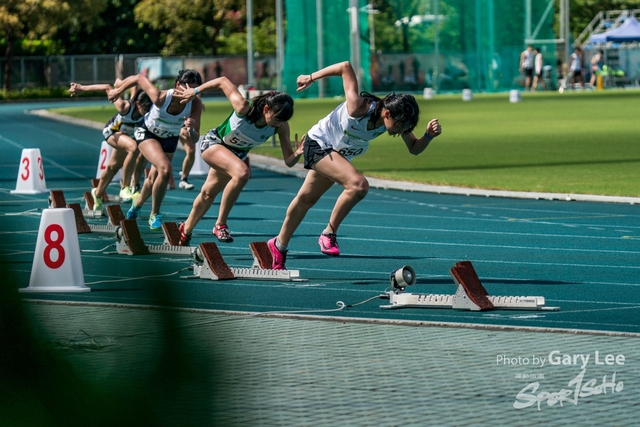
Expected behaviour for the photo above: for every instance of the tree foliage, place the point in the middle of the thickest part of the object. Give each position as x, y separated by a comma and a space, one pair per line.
581, 12
116, 31
40, 20
208, 26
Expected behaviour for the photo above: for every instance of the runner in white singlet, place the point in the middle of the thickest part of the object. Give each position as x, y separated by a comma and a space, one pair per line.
334, 141
158, 137
118, 133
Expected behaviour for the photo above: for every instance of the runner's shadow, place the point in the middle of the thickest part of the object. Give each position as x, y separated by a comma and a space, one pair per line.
322, 256
526, 282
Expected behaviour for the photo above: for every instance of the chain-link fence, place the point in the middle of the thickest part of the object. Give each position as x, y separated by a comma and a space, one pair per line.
59, 71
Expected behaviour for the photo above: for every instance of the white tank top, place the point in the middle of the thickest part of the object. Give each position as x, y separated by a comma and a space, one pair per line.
124, 123
539, 63
576, 64
159, 122
345, 134
528, 59
238, 132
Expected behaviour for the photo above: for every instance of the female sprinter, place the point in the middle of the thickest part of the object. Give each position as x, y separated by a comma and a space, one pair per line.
331, 144
118, 133
168, 120
226, 147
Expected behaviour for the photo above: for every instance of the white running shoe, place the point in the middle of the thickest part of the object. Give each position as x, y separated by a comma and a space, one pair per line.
185, 185
126, 194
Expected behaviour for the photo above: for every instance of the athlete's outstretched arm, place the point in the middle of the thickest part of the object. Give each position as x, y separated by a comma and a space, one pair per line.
349, 81
145, 84
76, 88
240, 105
418, 145
290, 157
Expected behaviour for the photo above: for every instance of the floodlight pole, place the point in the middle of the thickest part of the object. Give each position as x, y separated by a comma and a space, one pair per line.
355, 39
436, 70
249, 42
527, 19
478, 60
564, 30
279, 45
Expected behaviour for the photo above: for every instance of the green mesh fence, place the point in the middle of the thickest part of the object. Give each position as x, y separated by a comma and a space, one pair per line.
301, 46
478, 44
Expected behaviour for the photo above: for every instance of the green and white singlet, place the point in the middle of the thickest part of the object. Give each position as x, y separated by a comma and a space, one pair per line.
238, 132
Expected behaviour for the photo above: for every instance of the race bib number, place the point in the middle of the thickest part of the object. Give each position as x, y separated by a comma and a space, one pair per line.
139, 134
351, 152
162, 133
350, 147
235, 141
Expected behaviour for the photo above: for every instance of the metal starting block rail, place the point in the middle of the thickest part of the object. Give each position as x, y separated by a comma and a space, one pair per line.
115, 215
470, 295
261, 274
210, 265
460, 301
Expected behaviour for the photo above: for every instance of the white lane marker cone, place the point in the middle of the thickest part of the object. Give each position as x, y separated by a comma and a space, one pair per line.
103, 160
200, 167
57, 266
30, 173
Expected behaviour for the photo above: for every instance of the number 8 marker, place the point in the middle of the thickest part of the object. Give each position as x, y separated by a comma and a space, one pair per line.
54, 244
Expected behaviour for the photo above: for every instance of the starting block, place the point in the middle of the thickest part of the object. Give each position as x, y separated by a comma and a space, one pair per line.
129, 242
88, 211
115, 215
210, 264
56, 199
208, 259
261, 255
171, 233
470, 295
81, 224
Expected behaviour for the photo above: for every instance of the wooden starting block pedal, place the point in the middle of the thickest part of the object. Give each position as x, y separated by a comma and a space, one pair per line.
470, 295
128, 239
261, 255
210, 264
56, 199
81, 224
464, 275
114, 215
88, 211
202, 267
129, 242
171, 233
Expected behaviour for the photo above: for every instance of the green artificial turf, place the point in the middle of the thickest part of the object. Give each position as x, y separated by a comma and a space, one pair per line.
584, 142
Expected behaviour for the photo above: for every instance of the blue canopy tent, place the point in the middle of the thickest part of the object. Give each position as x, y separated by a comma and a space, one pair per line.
628, 32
